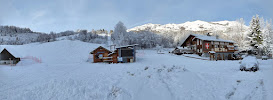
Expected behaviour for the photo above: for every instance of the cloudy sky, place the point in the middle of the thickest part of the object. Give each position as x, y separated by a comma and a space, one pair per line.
61, 15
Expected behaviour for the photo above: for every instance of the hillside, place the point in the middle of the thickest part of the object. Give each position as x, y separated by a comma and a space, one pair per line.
65, 74
229, 30
13, 35
195, 26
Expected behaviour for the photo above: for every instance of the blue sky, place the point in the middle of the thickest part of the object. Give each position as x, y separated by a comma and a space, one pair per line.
61, 15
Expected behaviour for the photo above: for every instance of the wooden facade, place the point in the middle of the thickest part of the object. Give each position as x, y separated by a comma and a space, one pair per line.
210, 46
100, 54
127, 54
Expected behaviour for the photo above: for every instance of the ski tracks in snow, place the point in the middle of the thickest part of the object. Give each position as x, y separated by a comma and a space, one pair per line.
248, 87
167, 86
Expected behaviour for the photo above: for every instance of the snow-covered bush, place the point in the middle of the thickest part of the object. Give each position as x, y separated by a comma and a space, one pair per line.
90, 37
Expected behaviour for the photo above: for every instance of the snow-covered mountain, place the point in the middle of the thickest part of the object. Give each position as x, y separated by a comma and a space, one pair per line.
223, 26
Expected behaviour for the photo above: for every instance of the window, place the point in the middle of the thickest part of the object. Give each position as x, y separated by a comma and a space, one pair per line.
216, 47
99, 56
127, 53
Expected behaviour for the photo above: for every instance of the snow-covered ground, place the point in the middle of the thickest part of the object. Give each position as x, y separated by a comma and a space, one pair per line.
65, 74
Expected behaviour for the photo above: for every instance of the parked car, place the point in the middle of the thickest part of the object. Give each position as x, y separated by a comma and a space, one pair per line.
264, 57
249, 63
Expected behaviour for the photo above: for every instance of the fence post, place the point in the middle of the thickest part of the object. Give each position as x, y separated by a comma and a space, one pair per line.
10, 63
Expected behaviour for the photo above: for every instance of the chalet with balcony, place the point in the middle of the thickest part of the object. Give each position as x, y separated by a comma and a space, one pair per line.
210, 46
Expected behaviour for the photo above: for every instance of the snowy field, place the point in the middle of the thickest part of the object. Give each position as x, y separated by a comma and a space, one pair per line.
65, 74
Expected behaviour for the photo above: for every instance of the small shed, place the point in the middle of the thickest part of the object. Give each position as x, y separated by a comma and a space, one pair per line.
127, 53
9, 56
101, 54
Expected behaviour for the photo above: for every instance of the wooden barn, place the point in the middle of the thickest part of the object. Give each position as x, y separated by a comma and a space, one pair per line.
124, 54
8, 56
210, 46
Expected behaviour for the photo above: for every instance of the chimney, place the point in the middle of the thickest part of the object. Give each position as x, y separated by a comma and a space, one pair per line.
112, 47
208, 34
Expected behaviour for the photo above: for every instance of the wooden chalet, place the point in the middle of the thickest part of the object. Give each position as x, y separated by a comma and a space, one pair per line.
210, 46
101, 55
124, 54
8, 56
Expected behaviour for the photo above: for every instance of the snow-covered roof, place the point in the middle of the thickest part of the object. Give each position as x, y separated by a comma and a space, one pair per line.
11, 50
211, 51
179, 47
128, 46
97, 48
230, 46
111, 53
210, 38
182, 41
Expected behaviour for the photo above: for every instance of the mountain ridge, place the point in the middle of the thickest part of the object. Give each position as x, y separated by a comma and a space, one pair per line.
194, 26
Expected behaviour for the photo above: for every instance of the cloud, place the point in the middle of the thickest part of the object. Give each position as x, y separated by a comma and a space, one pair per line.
7, 10
61, 15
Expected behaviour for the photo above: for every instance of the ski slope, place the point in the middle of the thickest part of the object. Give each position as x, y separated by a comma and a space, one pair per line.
65, 74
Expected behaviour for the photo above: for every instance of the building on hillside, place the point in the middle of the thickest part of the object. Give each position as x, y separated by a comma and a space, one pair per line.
9, 56
210, 46
127, 53
124, 54
100, 54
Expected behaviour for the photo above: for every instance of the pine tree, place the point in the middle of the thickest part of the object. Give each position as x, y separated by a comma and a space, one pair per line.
267, 40
255, 38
